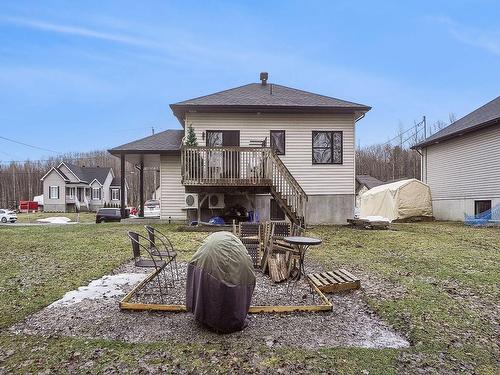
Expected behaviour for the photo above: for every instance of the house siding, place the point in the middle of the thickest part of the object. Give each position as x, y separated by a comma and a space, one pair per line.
462, 170
171, 188
55, 205
315, 179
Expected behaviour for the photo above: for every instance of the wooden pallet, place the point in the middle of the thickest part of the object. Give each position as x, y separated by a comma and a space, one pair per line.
334, 281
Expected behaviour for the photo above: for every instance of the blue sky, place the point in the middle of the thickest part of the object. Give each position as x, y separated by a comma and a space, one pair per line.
80, 76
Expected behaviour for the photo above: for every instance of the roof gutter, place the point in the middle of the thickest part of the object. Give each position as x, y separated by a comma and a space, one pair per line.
456, 134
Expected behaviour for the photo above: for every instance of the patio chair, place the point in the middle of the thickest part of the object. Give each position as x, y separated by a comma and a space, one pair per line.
250, 236
149, 261
162, 246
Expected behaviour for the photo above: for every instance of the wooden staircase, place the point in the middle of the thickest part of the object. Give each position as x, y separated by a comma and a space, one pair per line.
287, 192
231, 167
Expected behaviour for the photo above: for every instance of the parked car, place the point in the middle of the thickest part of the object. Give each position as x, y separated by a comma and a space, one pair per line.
107, 215
152, 208
7, 216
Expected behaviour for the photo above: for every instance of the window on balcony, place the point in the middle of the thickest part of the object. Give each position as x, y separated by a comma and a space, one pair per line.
278, 141
327, 147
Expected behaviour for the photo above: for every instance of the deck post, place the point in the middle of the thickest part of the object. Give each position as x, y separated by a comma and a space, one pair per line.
141, 189
122, 185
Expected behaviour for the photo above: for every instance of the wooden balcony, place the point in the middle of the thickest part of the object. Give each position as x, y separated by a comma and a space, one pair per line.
226, 166
252, 168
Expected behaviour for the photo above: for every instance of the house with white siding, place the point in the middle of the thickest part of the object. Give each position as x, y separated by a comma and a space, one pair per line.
274, 150
461, 164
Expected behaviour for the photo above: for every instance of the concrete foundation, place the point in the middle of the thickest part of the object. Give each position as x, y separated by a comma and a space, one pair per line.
54, 207
455, 209
330, 209
321, 209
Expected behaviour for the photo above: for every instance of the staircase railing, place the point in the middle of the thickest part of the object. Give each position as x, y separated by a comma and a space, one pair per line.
288, 189
244, 166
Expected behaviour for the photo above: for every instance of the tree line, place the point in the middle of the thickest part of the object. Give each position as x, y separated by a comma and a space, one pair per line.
21, 180
387, 161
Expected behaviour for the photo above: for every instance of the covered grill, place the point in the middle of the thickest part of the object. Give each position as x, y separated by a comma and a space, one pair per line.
220, 283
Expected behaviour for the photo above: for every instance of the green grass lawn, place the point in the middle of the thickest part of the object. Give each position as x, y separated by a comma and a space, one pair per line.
439, 287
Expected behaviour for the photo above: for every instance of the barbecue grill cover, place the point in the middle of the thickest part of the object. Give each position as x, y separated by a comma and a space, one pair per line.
220, 283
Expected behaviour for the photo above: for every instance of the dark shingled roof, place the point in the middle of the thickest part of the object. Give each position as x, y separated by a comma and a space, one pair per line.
115, 181
168, 140
269, 97
89, 173
368, 181
487, 115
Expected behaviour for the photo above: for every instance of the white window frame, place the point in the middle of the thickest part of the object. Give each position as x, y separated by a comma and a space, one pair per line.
57, 192
98, 194
113, 192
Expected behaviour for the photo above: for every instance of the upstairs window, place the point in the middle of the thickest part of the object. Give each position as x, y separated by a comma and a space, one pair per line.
54, 192
327, 147
278, 141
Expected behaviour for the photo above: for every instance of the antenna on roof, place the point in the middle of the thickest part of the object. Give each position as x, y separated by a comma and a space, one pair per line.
153, 130
263, 78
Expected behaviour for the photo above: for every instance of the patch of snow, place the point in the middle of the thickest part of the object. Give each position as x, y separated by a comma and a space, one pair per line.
105, 287
375, 218
55, 220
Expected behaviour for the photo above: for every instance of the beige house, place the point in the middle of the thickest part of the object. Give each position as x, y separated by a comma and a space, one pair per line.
274, 150
461, 164
69, 186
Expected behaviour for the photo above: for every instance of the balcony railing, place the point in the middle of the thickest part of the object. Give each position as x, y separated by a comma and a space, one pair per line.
244, 166
226, 166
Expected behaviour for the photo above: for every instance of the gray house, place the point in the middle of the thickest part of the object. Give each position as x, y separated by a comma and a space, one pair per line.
365, 182
272, 149
461, 164
68, 186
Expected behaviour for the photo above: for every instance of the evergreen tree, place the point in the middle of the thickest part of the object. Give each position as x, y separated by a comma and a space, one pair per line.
191, 137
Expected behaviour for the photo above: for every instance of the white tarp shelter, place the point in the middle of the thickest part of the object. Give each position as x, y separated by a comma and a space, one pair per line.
397, 200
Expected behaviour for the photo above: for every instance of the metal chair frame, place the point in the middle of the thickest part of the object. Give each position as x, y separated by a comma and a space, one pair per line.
158, 264
169, 252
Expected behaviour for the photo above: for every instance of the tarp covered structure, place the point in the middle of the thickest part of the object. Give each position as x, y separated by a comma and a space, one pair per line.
397, 200
220, 283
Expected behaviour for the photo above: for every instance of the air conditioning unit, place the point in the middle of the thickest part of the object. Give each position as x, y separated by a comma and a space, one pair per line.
191, 200
216, 201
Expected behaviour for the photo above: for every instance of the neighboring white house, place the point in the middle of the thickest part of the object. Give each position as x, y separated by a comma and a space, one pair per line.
69, 186
461, 164
270, 148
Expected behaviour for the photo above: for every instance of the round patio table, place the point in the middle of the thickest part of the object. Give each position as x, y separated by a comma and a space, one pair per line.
302, 244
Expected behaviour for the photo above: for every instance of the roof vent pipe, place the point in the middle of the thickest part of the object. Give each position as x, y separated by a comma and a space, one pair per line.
263, 78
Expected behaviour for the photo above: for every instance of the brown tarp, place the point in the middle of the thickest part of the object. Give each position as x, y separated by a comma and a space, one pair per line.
220, 283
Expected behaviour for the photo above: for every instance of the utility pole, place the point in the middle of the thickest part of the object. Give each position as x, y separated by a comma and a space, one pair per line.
425, 127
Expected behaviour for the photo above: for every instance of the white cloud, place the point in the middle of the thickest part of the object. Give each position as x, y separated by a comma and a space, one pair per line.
79, 31
488, 40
